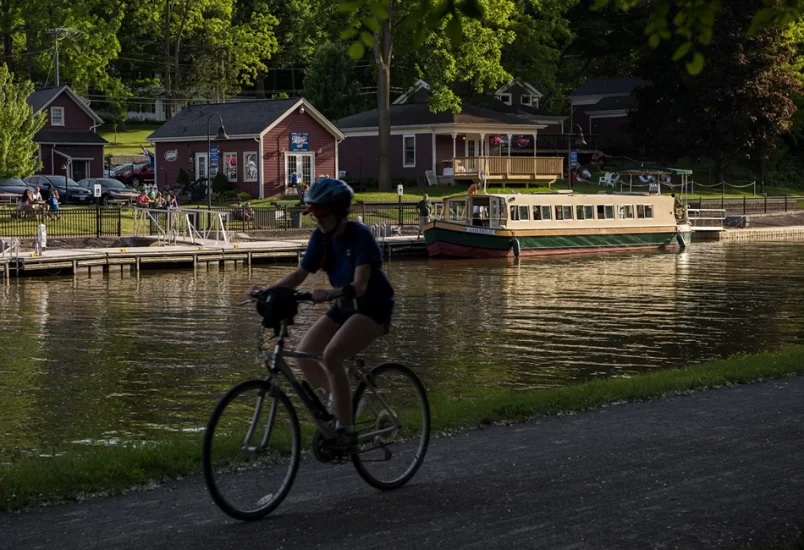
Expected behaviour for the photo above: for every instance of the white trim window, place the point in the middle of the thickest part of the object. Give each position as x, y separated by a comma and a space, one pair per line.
409, 151
57, 116
505, 98
250, 168
230, 165
526, 99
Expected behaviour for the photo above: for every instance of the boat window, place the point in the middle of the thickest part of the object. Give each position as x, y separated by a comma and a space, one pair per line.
542, 212
648, 211
524, 212
563, 212
514, 213
584, 212
457, 210
609, 211
626, 211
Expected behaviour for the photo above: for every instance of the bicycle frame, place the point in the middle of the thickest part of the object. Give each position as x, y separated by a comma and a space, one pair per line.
275, 361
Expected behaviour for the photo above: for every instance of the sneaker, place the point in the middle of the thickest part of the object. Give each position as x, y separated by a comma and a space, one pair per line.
344, 440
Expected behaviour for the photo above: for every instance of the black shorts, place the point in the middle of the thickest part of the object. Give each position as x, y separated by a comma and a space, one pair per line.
379, 312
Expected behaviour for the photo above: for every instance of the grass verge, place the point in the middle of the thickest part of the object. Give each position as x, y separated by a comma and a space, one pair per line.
76, 472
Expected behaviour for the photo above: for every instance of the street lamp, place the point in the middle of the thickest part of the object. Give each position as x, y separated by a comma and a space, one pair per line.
220, 136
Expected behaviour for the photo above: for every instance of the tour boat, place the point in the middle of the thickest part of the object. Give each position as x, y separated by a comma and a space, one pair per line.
500, 225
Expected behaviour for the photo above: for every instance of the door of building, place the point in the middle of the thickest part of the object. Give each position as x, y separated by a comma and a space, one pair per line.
301, 164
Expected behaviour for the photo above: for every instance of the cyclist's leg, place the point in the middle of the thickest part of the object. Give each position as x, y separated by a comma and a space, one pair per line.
315, 341
353, 337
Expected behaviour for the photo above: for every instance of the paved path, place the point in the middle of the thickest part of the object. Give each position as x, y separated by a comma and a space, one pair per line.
716, 469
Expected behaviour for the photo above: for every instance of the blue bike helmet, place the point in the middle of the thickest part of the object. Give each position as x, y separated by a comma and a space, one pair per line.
329, 195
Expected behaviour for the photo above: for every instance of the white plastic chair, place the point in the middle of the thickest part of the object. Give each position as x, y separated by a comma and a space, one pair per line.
608, 180
431, 177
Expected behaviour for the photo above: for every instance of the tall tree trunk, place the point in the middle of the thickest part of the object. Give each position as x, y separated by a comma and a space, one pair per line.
382, 55
259, 85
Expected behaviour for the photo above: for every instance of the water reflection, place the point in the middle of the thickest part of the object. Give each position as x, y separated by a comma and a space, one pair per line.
124, 357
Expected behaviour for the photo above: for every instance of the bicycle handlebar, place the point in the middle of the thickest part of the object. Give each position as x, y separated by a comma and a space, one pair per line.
261, 295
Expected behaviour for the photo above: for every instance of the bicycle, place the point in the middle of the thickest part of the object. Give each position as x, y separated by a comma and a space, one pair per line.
262, 437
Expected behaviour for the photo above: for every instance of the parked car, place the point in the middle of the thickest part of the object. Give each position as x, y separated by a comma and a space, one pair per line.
13, 186
111, 189
69, 191
140, 173
111, 171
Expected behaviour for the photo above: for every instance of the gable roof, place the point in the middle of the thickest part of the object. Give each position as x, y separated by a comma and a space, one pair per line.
40, 99
242, 119
420, 84
523, 110
527, 87
418, 114
608, 86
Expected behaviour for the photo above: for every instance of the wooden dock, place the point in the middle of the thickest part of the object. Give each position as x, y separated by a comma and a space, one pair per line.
204, 255
751, 234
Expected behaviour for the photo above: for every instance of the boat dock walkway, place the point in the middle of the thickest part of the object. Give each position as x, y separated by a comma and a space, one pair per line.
202, 254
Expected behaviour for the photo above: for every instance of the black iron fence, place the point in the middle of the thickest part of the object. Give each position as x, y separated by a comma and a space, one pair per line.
83, 222
285, 218
753, 205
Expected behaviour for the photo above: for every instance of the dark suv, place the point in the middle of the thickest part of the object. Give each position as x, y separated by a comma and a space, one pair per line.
69, 190
111, 189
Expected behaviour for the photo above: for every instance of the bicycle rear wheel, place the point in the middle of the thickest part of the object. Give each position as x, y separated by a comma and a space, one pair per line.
392, 421
252, 449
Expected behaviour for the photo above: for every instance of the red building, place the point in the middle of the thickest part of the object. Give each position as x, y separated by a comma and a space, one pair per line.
266, 142
68, 144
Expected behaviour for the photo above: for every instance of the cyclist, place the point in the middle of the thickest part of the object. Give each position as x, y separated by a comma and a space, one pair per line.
364, 299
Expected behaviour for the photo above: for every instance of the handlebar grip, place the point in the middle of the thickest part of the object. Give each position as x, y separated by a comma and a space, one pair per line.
304, 296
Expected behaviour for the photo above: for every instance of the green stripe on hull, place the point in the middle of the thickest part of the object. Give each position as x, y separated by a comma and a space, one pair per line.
550, 242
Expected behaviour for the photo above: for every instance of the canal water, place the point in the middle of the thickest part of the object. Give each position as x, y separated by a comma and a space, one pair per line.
125, 357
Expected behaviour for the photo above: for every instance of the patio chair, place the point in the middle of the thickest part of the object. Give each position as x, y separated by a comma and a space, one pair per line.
609, 180
431, 177
448, 177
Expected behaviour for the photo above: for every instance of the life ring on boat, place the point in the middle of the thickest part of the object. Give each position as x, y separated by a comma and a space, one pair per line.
515, 246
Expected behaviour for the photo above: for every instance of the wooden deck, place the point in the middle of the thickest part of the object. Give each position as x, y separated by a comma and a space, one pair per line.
65, 261
509, 169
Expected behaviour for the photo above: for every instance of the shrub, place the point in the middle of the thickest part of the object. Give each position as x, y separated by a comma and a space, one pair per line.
243, 196
229, 194
220, 183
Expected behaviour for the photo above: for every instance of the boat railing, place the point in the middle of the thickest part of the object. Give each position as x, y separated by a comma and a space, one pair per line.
706, 219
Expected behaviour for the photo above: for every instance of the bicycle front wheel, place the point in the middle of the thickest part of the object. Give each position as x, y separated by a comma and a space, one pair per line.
392, 419
252, 449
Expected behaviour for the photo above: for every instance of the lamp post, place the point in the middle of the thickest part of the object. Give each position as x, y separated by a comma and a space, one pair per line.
220, 136
580, 141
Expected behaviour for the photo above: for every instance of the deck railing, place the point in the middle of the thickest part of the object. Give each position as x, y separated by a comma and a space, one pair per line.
516, 167
706, 219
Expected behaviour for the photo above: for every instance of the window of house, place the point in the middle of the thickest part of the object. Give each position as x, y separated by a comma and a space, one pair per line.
409, 151
470, 148
527, 99
505, 98
57, 116
230, 165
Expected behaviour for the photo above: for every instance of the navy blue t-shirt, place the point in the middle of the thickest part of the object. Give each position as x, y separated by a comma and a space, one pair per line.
355, 247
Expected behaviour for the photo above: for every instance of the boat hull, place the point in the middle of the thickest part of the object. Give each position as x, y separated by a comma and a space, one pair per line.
459, 241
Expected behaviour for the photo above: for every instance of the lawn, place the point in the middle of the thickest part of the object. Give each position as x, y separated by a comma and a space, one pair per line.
128, 142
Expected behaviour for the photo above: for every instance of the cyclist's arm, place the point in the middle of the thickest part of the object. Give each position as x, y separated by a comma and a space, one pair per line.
360, 284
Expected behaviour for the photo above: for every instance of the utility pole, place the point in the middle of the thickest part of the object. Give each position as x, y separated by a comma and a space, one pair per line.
58, 33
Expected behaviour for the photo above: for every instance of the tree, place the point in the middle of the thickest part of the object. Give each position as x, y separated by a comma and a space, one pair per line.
437, 49
18, 125
331, 83
736, 109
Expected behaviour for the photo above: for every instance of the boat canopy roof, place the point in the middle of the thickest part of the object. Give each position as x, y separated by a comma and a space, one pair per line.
652, 170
